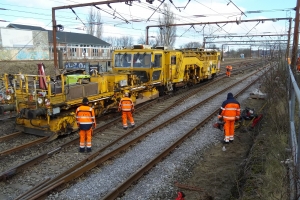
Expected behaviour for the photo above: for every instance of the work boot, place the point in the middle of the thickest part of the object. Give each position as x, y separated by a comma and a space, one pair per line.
81, 150
89, 149
225, 142
231, 141
125, 128
132, 126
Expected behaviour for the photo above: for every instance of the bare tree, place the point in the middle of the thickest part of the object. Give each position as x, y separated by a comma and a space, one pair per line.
94, 26
192, 45
113, 41
142, 40
166, 34
125, 41
99, 25
91, 18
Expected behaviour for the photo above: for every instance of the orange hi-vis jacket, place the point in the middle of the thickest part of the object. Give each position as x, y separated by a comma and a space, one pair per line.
229, 67
85, 116
230, 109
126, 104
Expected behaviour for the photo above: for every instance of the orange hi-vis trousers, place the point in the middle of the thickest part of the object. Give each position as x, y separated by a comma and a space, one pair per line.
86, 136
126, 114
228, 73
229, 130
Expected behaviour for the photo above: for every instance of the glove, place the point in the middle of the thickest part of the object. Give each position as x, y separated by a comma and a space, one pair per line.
237, 119
220, 117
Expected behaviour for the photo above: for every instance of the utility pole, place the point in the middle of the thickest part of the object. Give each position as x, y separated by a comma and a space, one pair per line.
296, 39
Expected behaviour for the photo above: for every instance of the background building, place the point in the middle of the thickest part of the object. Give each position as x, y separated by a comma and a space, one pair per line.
23, 42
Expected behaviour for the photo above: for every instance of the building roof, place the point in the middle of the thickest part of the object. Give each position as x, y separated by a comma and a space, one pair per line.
20, 26
65, 37
76, 38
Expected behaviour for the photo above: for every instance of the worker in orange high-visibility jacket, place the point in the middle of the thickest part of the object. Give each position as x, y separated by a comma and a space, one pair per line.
127, 107
229, 113
228, 70
86, 121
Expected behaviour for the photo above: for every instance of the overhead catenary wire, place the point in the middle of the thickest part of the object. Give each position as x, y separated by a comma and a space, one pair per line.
142, 5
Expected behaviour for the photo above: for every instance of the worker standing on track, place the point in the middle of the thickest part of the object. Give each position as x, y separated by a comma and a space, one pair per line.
228, 70
127, 107
229, 112
86, 121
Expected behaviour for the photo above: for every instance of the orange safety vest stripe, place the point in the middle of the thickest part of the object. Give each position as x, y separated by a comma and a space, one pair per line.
85, 115
231, 111
126, 104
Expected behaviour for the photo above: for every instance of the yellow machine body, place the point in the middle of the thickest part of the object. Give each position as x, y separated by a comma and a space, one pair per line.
49, 108
166, 69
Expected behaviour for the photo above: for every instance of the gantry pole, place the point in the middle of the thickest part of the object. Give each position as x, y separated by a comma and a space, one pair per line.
205, 23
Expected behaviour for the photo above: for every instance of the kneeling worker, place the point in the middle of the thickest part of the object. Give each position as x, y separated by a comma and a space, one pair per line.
86, 121
127, 107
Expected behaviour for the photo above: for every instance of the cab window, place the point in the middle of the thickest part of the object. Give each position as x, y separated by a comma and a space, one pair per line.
173, 60
157, 61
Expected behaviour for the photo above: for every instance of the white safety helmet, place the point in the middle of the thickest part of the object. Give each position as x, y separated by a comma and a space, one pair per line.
126, 94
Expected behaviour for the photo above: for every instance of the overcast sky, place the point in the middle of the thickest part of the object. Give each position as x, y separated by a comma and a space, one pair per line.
142, 14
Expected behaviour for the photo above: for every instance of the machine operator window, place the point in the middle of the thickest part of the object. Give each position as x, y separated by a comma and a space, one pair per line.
123, 60
142, 60
156, 75
157, 61
173, 60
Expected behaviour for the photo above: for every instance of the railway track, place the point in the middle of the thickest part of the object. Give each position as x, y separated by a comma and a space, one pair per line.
95, 154
114, 132
103, 137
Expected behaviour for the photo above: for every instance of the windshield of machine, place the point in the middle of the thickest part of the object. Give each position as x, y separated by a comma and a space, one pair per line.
123, 60
142, 60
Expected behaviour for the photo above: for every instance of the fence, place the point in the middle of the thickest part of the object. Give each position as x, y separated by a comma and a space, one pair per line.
294, 128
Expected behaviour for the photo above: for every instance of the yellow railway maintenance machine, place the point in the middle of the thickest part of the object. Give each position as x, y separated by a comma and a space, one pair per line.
47, 107
164, 69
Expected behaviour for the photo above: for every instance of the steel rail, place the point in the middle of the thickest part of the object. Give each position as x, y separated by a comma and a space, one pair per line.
29, 144
79, 171
137, 175
7, 137
14, 170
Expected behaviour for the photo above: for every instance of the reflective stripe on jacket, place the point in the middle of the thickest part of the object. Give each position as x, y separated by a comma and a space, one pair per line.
126, 104
230, 109
85, 115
